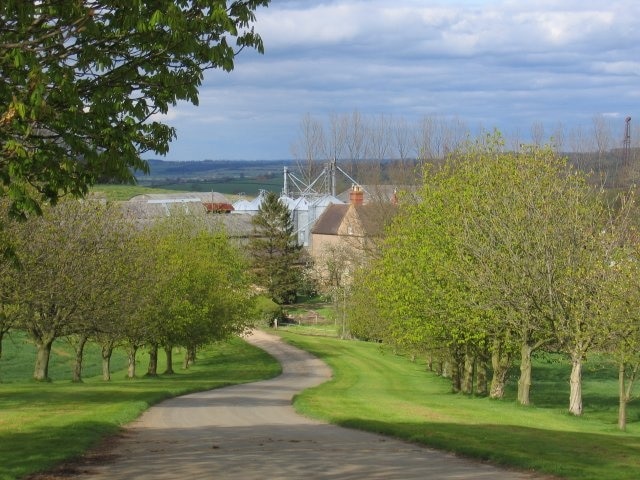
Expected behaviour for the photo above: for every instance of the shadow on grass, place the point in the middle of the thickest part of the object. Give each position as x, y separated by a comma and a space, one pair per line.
569, 455
38, 449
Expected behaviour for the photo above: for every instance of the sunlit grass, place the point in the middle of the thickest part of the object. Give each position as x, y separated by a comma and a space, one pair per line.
374, 389
42, 424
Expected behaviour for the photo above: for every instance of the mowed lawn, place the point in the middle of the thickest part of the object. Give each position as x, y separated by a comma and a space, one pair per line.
374, 389
42, 424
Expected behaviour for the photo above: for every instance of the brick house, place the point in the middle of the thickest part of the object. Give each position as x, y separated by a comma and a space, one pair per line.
347, 235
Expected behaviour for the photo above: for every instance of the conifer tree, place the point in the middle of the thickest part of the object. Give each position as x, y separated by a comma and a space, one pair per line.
277, 258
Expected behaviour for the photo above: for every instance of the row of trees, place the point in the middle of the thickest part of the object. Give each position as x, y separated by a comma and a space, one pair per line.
84, 272
499, 255
374, 146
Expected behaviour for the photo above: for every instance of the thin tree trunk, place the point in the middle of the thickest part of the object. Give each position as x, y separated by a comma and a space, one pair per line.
500, 363
169, 354
625, 390
430, 363
524, 382
2, 332
622, 409
481, 376
456, 366
77, 367
152, 370
467, 378
189, 357
575, 382
131, 355
107, 351
43, 354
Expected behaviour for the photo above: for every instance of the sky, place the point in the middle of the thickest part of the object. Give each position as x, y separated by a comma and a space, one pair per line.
505, 64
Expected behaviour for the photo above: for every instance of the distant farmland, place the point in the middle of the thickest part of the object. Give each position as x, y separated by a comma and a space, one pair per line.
227, 177
233, 186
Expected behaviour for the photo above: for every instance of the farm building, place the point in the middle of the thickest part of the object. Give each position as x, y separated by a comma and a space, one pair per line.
305, 211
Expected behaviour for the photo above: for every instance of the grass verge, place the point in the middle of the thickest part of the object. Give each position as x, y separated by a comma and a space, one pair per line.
43, 424
373, 389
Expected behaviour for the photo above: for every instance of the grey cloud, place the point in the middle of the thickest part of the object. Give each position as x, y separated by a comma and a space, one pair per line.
496, 63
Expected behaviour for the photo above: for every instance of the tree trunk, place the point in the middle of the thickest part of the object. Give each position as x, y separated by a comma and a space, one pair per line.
430, 363
131, 355
43, 354
107, 351
481, 377
622, 409
152, 370
169, 353
524, 382
575, 396
439, 368
467, 377
77, 367
189, 357
456, 366
2, 332
500, 363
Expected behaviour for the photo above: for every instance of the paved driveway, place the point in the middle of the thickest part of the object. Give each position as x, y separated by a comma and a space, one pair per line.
251, 432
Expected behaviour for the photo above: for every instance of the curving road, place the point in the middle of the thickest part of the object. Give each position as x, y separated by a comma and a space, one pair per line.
251, 431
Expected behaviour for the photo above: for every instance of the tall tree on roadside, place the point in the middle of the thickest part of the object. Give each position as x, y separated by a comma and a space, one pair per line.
64, 275
277, 257
623, 340
533, 246
80, 83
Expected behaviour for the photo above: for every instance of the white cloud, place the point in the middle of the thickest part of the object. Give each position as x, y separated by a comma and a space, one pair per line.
503, 63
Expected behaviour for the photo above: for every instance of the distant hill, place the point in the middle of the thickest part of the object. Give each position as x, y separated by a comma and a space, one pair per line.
240, 177
163, 170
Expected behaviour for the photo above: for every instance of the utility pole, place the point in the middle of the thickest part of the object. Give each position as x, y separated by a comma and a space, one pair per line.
626, 149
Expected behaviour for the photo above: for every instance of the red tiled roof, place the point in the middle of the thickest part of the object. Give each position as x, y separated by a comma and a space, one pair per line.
218, 207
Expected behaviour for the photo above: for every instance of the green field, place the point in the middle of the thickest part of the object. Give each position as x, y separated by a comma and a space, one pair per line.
372, 388
126, 192
377, 390
42, 424
233, 188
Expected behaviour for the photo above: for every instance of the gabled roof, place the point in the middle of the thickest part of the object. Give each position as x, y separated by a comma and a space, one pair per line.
374, 218
330, 220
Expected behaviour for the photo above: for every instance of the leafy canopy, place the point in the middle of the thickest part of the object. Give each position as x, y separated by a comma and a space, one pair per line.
81, 81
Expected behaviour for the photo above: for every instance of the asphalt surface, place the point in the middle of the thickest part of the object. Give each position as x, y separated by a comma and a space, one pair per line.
252, 432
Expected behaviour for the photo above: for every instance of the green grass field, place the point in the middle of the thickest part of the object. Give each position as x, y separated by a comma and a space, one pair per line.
235, 186
232, 188
42, 424
126, 192
374, 389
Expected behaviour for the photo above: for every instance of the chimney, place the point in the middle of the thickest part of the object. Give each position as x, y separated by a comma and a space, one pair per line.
356, 197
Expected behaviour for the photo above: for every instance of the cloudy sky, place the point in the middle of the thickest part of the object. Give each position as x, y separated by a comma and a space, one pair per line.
506, 64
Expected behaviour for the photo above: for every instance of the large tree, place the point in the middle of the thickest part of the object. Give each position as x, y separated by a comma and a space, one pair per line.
65, 283
81, 80
277, 257
501, 247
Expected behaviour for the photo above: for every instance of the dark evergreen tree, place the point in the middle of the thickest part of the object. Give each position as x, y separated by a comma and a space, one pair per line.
277, 257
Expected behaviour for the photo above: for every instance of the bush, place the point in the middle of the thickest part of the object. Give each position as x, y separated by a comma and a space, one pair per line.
266, 311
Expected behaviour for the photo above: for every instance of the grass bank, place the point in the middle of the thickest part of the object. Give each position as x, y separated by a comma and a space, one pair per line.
375, 390
43, 424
